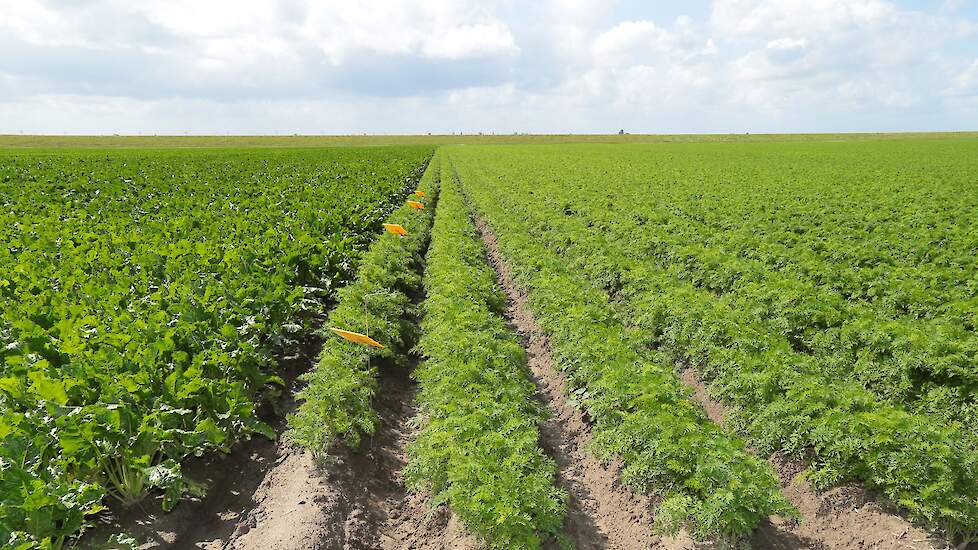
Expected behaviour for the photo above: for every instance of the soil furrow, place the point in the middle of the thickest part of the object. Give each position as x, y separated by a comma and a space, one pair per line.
357, 500
354, 491
375, 510
845, 516
401, 518
602, 513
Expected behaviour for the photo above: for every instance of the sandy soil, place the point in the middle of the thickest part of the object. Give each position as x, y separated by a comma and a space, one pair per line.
843, 517
361, 503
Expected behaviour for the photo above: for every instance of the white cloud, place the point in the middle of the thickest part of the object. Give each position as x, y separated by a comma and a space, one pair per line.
788, 43
440, 30
496, 96
747, 19
35, 23
628, 36
654, 69
634, 42
464, 41
556, 65
838, 56
966, 82
212, 18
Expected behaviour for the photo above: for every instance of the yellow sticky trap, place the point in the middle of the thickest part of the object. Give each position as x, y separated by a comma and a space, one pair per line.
395, 229
419, 193
415, 204
357, 338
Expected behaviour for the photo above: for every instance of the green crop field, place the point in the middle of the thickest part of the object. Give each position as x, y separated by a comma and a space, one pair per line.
141, 295
827, 292
577, 338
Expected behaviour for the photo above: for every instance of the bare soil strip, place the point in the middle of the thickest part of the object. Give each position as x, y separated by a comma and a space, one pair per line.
843, 517
602, 513
397, 518
363, 502
356, 500
268, 494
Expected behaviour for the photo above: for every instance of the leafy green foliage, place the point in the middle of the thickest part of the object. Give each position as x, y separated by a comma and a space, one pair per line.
336, 405
795, 299
479, 447
141, 296
859, 255
642, 412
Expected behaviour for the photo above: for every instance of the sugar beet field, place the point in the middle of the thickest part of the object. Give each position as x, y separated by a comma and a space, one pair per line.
716, 344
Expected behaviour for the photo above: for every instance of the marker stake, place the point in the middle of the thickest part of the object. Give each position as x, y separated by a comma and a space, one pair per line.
395, 229
357, 338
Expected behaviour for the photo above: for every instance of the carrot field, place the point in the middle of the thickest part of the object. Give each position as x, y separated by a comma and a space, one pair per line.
554, 343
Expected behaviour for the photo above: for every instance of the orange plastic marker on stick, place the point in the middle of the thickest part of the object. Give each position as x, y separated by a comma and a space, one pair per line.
395, 228
415, 204
419, 193
357, 338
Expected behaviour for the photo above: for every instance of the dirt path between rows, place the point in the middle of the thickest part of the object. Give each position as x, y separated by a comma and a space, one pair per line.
271, 495
843, 517
358, 500
601, 512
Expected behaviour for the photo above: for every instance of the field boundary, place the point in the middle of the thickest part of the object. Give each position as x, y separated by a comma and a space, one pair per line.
21, 142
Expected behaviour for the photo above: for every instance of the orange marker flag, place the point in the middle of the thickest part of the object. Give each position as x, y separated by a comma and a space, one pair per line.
415, 204
419, 193
357, 338
395, 228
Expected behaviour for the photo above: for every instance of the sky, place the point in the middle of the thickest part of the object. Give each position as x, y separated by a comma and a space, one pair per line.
445, 66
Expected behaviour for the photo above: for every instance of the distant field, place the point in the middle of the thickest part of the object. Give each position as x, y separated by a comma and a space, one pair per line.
19, 141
